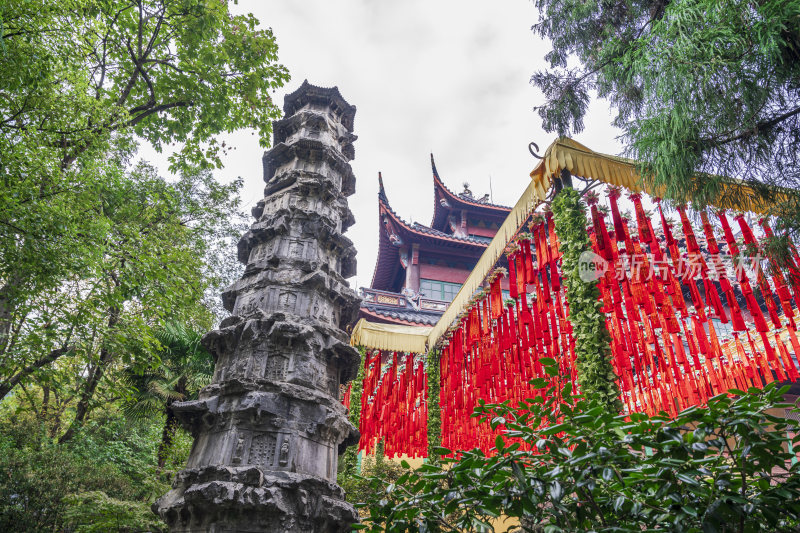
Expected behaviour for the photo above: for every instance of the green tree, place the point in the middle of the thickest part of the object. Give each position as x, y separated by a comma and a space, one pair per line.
104, 478
81, 82
94, 255
150, 266
698, 87
185, 367
359, 486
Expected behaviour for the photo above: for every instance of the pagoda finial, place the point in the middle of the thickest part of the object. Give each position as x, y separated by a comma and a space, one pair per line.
433, 167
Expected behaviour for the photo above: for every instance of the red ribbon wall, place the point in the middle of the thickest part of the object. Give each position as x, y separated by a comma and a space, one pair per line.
665, 348
394, 404
497, 348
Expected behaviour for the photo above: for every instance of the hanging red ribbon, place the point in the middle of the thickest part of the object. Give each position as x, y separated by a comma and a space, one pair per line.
665, 357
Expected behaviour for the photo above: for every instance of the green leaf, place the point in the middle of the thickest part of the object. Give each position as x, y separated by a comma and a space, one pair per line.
619, 501
538, 383
554, 429
556, 491
440, 450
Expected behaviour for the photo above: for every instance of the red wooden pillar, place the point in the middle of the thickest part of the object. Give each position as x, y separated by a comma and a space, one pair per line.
412, 270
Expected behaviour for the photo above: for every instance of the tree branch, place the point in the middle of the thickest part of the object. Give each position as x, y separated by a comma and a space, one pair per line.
754, 130
7, 385
170, 65
163, 107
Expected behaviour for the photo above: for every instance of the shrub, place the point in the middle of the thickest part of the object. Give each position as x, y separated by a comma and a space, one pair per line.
102, 480
36, 476
563, 467
358, 488
96, 512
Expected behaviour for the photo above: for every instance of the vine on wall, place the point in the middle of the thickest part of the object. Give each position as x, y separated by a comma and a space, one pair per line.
596, 376
432, 369
349, 461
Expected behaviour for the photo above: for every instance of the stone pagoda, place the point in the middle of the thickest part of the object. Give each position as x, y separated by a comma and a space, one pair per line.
269, 428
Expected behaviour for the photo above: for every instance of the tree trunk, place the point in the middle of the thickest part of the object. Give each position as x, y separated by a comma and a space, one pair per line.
45, 403
167, 436
95, 376
7, 309
60, 405
86, 396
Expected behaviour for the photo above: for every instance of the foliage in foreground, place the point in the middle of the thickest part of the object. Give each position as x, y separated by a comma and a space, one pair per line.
711, 469
96, 512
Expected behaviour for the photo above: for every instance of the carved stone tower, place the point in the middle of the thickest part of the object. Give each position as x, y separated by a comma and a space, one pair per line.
268, 429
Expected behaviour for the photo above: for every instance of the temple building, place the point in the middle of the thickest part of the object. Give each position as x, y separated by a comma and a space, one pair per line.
420, 268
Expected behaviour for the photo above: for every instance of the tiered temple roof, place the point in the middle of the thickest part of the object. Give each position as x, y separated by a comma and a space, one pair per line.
461, 229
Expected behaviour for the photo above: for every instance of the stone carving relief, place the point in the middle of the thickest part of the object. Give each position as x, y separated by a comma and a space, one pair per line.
262, 450
284, 457
238, 451
277, 366
287, 301
296, 249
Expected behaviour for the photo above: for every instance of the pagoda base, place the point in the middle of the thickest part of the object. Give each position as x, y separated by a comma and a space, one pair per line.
224, 499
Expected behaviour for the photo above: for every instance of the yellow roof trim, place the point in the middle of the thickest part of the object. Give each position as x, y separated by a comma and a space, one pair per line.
393, 337
534, 194
565, 153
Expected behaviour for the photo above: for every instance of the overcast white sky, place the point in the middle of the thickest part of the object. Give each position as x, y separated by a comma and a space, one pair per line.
443, 76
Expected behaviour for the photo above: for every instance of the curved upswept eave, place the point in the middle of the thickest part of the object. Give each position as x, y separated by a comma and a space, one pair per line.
457, 203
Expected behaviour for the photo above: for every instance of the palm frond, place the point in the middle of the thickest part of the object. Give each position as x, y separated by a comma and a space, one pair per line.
184, 367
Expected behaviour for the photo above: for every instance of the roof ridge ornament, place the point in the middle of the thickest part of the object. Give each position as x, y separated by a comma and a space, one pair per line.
467, 192
533, 148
